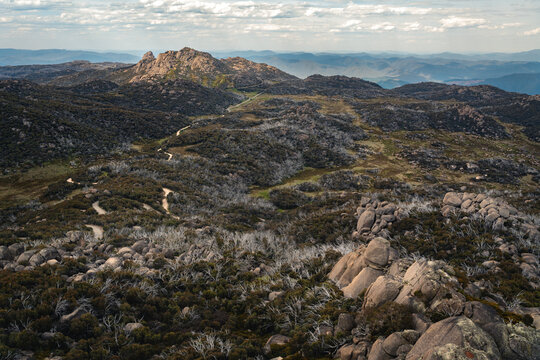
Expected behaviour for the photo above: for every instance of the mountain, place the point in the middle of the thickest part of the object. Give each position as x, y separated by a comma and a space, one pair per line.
57, 56
392, 70
526, 83
202, 68
514, 108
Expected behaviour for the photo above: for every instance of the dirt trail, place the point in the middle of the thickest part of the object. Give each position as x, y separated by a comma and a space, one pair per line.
98, 231
99, 209
182, 129
243, 102
165, 203
148, 207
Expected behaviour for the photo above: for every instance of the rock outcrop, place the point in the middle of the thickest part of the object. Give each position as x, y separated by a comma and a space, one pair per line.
469, 330
495, 211
374, 217
455, 338
203, 68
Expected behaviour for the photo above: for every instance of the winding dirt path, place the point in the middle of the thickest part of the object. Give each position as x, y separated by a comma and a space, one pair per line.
99, 209
165, 203
98, 231
243, 102
182, 129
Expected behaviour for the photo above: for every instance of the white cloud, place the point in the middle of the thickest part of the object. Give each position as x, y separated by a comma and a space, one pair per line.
414, 26
212, 21
461, 22
385, 26
532, 32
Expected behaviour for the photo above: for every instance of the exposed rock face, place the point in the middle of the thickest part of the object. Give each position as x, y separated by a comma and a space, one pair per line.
203, 68
361, 282
356, 271
377, 252
384, 289
455, 335
429, 280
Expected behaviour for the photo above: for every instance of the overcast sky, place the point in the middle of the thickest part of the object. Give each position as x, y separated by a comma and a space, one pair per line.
400, 25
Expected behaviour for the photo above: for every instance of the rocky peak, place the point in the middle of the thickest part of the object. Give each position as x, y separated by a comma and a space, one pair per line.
201, 67
149, 56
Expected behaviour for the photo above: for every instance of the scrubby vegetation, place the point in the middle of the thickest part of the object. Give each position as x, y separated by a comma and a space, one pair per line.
212, 233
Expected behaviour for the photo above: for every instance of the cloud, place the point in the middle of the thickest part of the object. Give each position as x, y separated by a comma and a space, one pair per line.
385, 26
211, 21
461, 22
532, 32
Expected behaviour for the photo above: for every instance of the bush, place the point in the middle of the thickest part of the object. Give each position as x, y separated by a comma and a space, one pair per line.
386, 319
287, 198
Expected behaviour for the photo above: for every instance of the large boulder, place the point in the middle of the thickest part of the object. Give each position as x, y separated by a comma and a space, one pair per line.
362, 281
392, 343
112, 263
25, 256
353, 351
366, 220
458, 336
355, 264
345, 323
377, 351
383, 290
453, 199
425, 278
377, 252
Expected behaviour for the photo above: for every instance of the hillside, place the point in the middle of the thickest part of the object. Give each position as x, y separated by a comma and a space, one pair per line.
46, 73
42, 123
526, 83
144, 215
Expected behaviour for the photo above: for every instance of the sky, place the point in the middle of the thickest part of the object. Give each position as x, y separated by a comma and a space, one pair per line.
419, 26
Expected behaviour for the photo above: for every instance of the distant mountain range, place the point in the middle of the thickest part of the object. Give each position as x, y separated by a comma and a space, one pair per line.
391, 69
57, 56
518, 72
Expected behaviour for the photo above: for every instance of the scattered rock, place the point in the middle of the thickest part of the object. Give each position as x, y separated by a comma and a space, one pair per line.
129, 327
75, 314
275, 340
345, 323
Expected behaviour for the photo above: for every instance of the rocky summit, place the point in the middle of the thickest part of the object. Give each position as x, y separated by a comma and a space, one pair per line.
203, 68
191, 207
